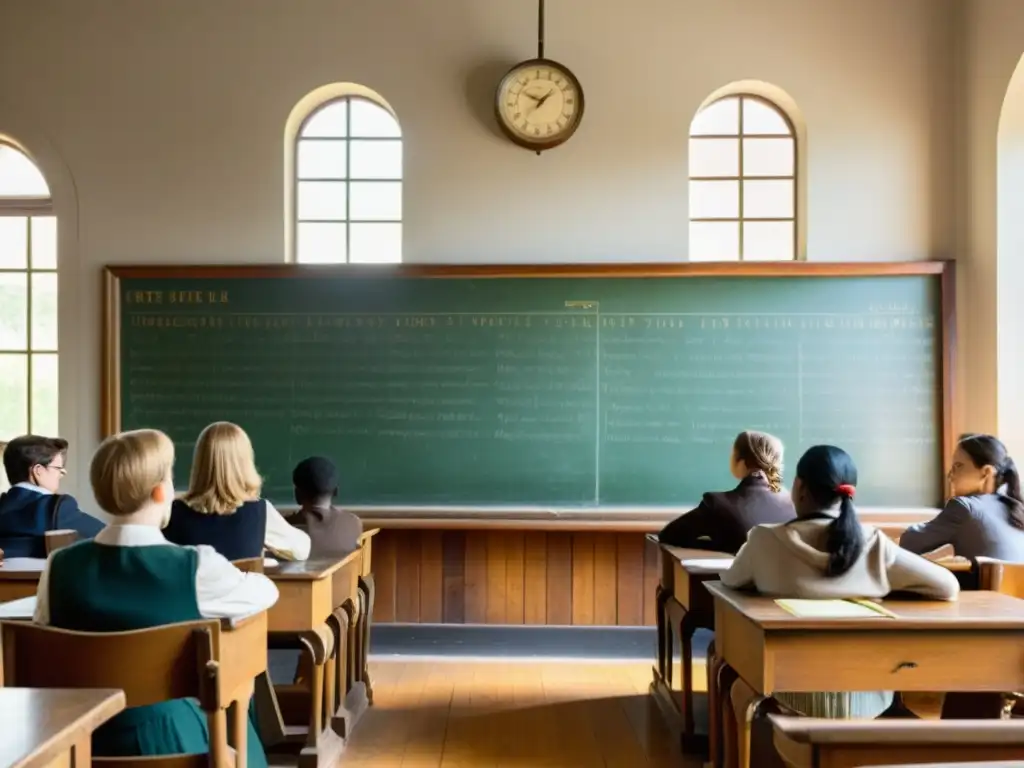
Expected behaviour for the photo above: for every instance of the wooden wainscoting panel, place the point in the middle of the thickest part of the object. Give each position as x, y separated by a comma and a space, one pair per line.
588, 578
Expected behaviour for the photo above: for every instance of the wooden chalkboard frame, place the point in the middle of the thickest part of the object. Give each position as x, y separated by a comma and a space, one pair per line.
110, 407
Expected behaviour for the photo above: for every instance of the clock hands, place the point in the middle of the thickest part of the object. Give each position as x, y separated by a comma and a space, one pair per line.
545, 97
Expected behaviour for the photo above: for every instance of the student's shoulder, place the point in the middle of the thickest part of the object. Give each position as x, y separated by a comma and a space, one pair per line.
972, 506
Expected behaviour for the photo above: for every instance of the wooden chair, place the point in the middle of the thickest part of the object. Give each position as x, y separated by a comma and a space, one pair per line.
249, 564
812, 742
55, 540
151, 665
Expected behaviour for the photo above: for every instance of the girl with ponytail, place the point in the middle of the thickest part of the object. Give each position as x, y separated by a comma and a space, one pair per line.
827, 553
985, 516
723, 519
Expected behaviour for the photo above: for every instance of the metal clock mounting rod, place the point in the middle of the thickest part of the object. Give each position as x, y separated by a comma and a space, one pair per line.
540, 29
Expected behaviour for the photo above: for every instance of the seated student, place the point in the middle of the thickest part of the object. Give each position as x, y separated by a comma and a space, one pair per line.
985, 517
34, 467
826, 553
223, 507
130, 577
722, 520
334, 532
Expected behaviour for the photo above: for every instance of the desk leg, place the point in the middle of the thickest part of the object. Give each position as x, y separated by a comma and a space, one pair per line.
340, 624
238, 726
720, 721
368, 592
355, 700
686, 629
661, 596
322, 747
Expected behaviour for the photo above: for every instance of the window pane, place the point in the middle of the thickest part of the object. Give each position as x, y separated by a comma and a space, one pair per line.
19, 176
714, 199
376, 159
376, 243
715, 157
13, 242
320, 243
44, 395
328, 121
321, 200
13, 311
13, 396
714, 241
322, 159
758, 117
768, 157
767, 199
768, 241
44, 242
376, 201
721, 118
371, 121
44, 311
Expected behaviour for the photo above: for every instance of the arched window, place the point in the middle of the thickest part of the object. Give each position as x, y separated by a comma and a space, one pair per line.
742, 182
348, 183
28, 299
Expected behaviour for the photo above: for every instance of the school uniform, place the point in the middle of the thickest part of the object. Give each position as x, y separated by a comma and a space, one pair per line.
333, 532
976, 526
238, 535
790, 560
130, 577
722, 520
28, 511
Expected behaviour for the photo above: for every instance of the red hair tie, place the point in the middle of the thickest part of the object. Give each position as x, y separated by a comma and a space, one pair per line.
846, 490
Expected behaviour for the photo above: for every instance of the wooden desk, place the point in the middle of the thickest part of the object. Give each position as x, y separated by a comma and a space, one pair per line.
52, 727
923, 649
683, 604
19, 577
319, 604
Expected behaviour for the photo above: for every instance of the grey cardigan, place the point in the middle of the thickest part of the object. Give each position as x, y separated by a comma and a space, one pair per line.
976, 526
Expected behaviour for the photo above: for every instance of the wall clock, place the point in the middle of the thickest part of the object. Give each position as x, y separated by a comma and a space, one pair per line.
539, 102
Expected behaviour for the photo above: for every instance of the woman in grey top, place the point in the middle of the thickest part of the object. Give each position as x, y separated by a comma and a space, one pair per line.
985, 517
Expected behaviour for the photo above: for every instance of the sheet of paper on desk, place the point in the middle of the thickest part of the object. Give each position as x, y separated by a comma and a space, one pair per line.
23, 563
23, 608
269, 562
717, 563
832, 609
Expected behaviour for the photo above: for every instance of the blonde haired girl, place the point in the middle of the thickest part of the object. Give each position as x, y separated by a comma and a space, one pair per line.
722, 520
223, 508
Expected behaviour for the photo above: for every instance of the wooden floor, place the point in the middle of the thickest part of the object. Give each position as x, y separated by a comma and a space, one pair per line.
512, 714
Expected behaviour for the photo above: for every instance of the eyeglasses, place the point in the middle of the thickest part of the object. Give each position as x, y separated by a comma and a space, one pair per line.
62, 470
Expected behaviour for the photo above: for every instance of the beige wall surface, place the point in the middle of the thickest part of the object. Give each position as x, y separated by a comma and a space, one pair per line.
160, 124
991, 309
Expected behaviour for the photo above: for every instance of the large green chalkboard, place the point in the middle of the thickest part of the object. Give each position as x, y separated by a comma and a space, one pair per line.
570, 390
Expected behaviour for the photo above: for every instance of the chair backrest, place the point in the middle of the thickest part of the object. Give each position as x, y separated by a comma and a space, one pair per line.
804, 742
249, 564
174, 661
1000, 576
55, 540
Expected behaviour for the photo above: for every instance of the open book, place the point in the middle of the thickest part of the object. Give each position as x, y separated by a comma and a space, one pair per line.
853, 608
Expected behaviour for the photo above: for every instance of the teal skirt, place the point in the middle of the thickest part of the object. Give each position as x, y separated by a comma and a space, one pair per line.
169, 728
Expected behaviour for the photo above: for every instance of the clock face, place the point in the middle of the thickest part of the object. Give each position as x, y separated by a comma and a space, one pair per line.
540, 104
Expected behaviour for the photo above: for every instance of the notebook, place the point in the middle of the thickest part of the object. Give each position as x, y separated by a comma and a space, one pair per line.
835, 609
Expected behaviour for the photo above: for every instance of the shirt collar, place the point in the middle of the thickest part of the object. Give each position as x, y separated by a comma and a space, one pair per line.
131, 536
37, 488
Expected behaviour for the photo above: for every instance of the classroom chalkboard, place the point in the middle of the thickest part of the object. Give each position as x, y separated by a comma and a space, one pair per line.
560, 387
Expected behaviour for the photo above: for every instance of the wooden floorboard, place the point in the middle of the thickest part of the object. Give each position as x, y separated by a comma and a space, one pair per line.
512, 714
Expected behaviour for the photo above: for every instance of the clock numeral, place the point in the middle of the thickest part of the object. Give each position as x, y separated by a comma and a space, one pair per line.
511, 103
570, 100
536, 131
562, 121
549, 130
517, 115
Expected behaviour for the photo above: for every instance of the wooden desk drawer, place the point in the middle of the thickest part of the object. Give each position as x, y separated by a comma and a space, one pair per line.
878, 660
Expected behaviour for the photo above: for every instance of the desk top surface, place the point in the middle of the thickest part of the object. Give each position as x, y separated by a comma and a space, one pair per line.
22, 568
973, 610
310, 570
37, 724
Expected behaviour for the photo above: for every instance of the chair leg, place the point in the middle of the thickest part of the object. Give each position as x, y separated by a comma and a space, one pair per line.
659, 615
686, 629
368, 592
746, 703
724, 728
